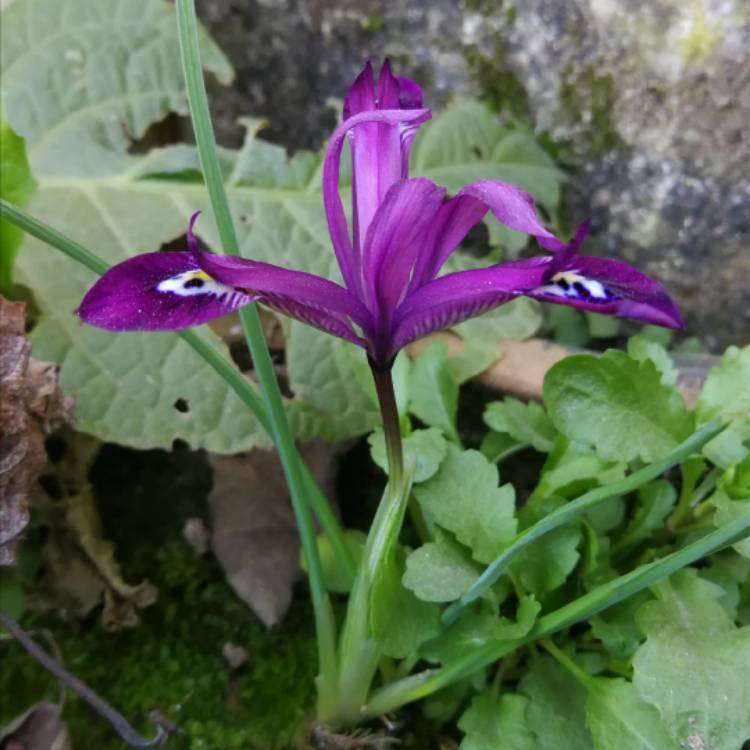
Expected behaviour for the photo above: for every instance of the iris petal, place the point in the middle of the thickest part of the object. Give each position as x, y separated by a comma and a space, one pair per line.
511, 206
158, 292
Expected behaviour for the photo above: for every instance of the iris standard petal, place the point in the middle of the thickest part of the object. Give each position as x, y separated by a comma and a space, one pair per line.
608, 287
348, 255
360, 96
395, 240
511, 206
158, 292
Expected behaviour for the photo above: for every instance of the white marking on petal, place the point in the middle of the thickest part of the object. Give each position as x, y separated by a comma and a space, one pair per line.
572, 285
196, 283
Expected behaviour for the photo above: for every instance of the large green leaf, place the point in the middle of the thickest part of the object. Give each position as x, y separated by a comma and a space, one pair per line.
616, 404
82, 79
694, 664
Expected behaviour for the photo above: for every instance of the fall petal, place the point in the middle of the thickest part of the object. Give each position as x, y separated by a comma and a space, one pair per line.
158, 292
608, 287
455, 297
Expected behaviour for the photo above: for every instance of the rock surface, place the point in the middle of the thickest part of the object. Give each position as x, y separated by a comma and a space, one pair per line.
647, 101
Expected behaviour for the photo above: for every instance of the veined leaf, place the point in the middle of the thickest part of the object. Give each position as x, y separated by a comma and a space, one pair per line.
90, 77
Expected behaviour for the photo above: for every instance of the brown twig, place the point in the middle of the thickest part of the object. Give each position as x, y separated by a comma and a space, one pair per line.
164, 728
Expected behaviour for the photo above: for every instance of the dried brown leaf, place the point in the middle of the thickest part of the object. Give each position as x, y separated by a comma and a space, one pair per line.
31, 406
38, 728
254, 533
81, 570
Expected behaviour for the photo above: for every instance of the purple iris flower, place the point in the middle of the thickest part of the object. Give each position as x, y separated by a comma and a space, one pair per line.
402, 232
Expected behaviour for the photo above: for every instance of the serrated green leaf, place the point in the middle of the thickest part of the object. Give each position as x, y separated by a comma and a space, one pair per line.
619, 720
731, 446
473, 631
400, 622
321, 373
571, 469
526, 422
728, 510
518, 319
433, 394
497, 446
616, 627
427, 448
496, 722
617, 405
546, 564
440, 571
464, 498
726, 392
694, 664
654, 502
643, 348
556, 710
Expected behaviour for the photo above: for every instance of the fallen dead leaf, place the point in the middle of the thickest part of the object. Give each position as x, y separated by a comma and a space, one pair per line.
31, 406
38, 728
80, 566
254, 535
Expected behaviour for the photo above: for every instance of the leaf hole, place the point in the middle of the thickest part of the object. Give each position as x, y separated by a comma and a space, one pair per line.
182, 405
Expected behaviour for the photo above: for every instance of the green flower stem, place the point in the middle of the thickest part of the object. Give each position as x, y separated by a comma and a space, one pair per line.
425, 683
575, 509
391, 423
221, 364
359, 654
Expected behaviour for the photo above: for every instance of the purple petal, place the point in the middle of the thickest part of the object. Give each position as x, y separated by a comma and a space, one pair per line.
394, 241
511, 206
158, 292
373, 166
360, 96
456, 297
304, 296
608, 287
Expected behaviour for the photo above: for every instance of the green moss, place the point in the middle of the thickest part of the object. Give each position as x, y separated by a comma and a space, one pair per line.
497, 81
595, 92
173, 662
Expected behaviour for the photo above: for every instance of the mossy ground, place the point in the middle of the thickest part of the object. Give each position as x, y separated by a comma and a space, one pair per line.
173, 660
